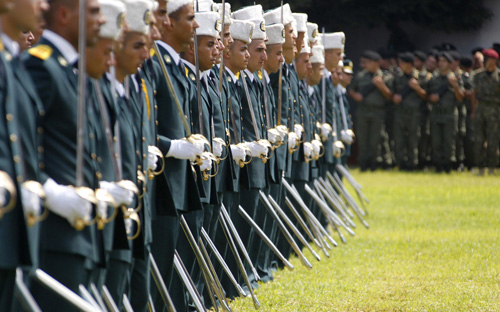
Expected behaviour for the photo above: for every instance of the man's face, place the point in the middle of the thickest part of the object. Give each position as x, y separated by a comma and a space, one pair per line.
207, 52
184, 24
346, 78
227, 40
94, 20
290, 38
299, 42
431, 63
303, 65
238, 55
332, 58
99, 57
154, 32
418, 63
372, 66
161, 16
405, 66
443, 64
274, 58
133, 53
27, 14
258, 55
26, 40
490, 64
316, 73
362, 62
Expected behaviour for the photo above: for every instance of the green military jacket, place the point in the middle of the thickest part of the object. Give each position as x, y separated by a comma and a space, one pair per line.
373, 99
487, 87
447, 103
411, 101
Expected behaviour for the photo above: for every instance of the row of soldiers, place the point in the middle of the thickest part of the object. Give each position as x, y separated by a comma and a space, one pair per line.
437, 108
134, 122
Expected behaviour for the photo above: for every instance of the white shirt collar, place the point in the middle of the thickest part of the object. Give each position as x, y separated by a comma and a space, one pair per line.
232, 75
171, 51
66, 49
327, 74
188, 64
120, 89
250, 75
310, 90
11, 45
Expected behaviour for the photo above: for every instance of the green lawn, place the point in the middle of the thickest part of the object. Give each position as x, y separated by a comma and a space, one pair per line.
433, 245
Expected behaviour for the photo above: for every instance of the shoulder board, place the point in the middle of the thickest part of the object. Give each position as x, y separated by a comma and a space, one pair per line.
477, 71
238, 75
151, 52
41, 51
187, 71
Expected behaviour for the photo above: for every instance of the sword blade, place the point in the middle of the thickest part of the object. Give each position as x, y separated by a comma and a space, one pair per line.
250, 106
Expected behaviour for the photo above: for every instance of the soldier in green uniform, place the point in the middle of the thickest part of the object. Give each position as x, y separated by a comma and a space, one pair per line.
487, 113
443, 90
408, 98
369, 89
462, 115
67, 253
467, 74
424, 75
345, 74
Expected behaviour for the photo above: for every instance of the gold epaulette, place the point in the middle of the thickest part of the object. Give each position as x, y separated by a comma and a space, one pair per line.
151, 52
238, 75
187, 71
41, 51
260, 75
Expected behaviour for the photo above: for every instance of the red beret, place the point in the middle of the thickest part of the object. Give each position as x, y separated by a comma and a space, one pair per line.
490, 53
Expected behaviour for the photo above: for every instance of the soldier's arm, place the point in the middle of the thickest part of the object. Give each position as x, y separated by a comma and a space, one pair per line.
382, 86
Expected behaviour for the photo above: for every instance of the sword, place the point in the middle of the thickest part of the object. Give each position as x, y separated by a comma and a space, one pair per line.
331, 190
209, 279
88, 297
97, 296
322, 191
346, 173
264, 237
283, 229
266, 101
160, 284
323, 88
293, 228
108, 299
301, 221
280, 78
234, 250
188, 283
23, 294
342, 108
62, 291
197, 74
223, 263
221, 67
127, 307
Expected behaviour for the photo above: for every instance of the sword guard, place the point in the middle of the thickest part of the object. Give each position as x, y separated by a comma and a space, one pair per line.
7, 183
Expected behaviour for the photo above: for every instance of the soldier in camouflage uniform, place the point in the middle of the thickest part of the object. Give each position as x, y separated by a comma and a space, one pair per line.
408, 98
466, 66
487, 113
369, 89
444, 90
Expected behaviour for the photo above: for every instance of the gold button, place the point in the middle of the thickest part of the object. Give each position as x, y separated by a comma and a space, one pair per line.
42, 113
156, 122
144, 156
156, 106
154, 92
17, 159
143, 139
13, 138
40, 130
9, 117
186, 116
137, 152
139, 167
93, 155
115, 139
99, 159
98, 175
19, 178
40, 149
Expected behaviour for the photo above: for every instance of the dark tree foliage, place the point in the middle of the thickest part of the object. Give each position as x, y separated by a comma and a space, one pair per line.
438, 15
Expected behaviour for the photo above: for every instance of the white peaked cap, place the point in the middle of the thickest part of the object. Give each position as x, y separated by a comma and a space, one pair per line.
114, 12
274, 16
242, 30
333, 40
210, 24
204, 6
227, 12
275, 34
138, 15
259, 29
155, 5
249, 13
301, 20
174, 5
312, 31
318, 56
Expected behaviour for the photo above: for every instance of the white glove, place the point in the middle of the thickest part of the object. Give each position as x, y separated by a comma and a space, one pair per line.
217, 147
292, 140
3, 191
182, 149
128, 225
298, 129
31, 202
346, 138
256, 149
273, 136
316, 145
102, 209
283, 131
338, 148
65, 202
326, 129
351, 133
239, 153
206, 164
152, 161
308, 149
122, 196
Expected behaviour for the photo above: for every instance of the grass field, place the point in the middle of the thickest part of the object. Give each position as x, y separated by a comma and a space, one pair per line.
433, 245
